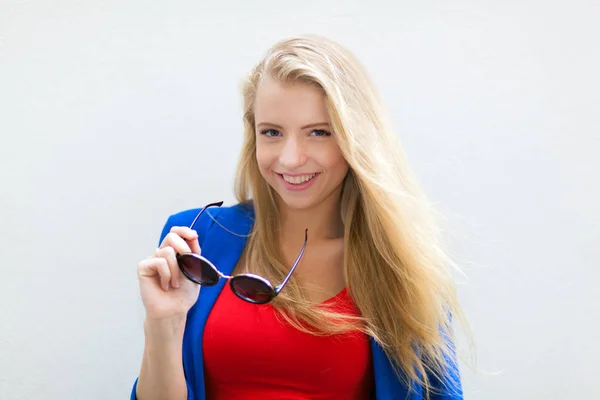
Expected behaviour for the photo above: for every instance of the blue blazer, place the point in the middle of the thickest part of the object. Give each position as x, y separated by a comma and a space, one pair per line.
222, 234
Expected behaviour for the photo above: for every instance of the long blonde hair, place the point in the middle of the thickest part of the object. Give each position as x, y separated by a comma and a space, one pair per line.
396, 269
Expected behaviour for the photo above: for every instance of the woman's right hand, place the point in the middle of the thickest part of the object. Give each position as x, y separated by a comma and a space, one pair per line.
165, 291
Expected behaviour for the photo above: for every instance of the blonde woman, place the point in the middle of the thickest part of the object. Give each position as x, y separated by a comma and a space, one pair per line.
327, 280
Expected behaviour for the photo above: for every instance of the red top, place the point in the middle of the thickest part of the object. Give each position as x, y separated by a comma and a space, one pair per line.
250, 354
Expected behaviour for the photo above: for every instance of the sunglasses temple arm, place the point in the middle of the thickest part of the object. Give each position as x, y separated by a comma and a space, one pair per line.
217, 204
287, 278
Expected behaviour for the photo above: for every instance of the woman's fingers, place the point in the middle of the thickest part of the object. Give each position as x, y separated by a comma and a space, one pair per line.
168, 253
179, 240
187, 235
153, 267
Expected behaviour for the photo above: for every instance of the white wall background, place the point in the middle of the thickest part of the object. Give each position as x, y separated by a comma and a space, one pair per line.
114, 114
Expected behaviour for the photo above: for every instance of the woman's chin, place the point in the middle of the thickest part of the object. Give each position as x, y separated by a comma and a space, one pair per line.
295, 202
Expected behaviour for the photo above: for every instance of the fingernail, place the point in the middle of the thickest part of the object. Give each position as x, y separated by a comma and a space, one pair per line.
177, 284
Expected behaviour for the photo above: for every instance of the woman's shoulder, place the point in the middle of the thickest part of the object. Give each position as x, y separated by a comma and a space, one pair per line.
237, 219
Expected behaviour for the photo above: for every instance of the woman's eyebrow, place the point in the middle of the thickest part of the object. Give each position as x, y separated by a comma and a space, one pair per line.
303, 127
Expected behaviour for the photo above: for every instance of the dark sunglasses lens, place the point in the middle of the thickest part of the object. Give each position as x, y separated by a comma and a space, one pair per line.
198, 269
251, 289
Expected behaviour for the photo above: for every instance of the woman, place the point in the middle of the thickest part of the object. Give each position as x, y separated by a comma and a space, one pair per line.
328, 208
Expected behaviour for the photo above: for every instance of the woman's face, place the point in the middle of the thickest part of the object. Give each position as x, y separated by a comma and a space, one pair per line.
295, 148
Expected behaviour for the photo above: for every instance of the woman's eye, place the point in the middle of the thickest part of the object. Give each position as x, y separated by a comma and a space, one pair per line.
270, 132
320, 132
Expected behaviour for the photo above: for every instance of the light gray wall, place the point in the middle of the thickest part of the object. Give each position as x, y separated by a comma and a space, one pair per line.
114, 114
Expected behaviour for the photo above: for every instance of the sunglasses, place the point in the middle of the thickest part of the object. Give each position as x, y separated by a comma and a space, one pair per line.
249, 287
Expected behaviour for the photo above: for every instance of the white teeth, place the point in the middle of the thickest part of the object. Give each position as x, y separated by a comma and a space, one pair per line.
296, 180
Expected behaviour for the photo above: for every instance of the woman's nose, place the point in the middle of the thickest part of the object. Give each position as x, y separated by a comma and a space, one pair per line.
293, 154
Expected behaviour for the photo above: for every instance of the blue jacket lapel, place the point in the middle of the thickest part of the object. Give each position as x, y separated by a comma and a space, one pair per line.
223, 245
387, 385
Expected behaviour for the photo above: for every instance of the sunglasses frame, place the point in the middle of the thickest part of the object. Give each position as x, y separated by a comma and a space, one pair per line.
273, 290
